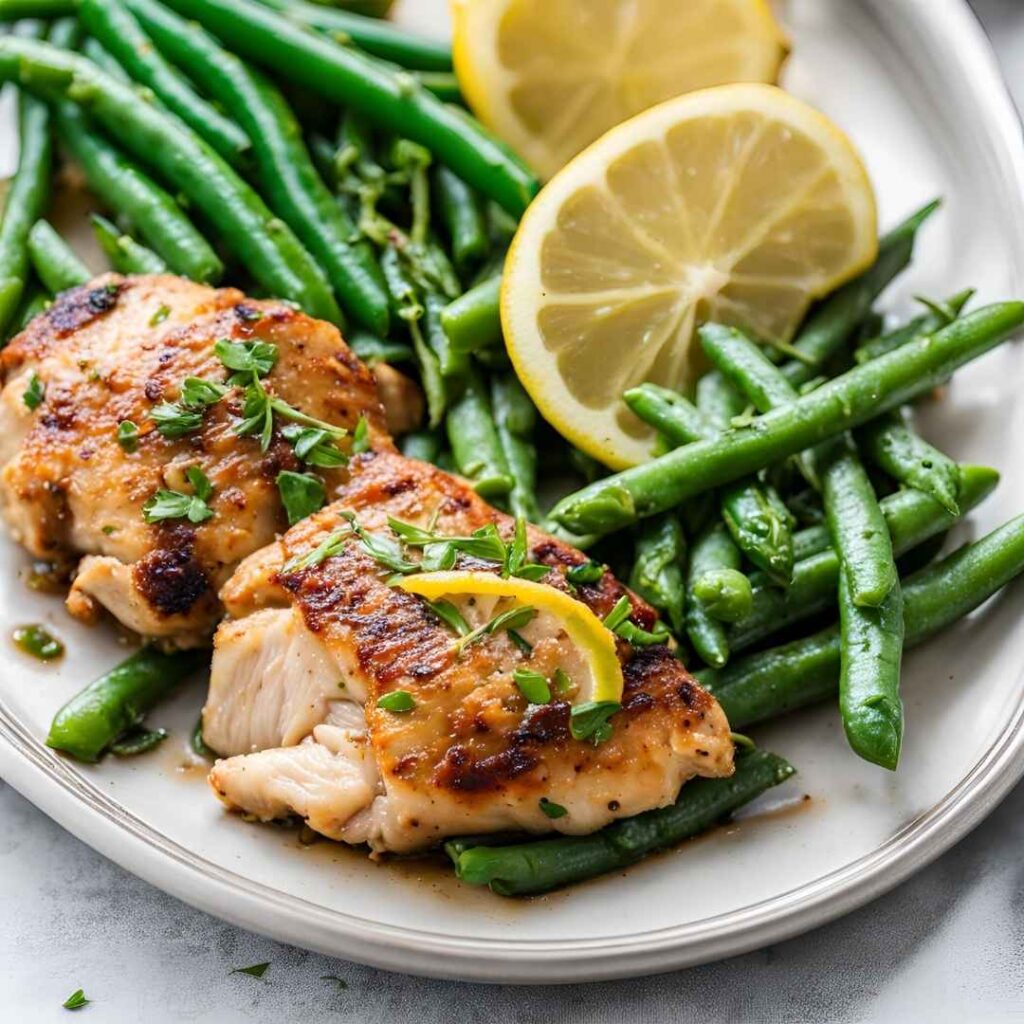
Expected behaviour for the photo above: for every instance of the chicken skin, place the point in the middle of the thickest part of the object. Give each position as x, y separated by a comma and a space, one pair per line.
318, 633
81, 451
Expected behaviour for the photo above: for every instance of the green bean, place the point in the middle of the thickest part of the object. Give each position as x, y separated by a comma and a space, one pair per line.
718, 400
375, 37
712, 549
725, 594
125, 254
372, 349
657, 574
116, 702
454, 365
425, 445
474, 440
910, 460
121, 35
55, 263
442, 84
834, 320
394, 101
515, 419
473, 321
28, 193
756, 517
534, 867
770, 683
34, 300
92, 48
15, 10
860, 535
911, 518
937, 316
288, 178
264, 244
856, 397
462, 214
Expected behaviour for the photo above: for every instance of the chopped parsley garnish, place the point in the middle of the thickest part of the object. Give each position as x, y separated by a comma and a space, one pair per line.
589, 721
314, 446
162, 313
255, 357
332, 545
257, 415
551, 809
617, 620
34, 393
514, 562
128, 436
76, 1000
532, 685
175, 505
561, 681
361, 436
302, 494
138, 741
450, 615
197, 393
520, 641
173, 420
514, 618
384, 550
398, 701
588, 572
254, 970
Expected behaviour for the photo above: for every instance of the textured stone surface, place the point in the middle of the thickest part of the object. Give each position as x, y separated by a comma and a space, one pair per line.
946, 946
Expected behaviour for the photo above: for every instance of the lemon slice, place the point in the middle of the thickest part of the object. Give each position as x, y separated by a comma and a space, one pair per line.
738, 204
594, 642
550, 76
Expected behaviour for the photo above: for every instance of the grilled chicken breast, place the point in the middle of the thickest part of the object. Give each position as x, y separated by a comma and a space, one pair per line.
308, 651
108, 353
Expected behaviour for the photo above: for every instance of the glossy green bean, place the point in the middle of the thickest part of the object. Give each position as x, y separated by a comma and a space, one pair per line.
125, 254
108, 707
394, 101
657, 574
425, 445
854, 398
286, 173
462, 213
473, 320
375, 37
262, 242
515, 419
933, 319
909, 459
725, 594
113, 25
712, 549
55, 263
474, 441
28, 194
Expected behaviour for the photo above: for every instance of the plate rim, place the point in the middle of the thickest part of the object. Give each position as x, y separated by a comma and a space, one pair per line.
67, 795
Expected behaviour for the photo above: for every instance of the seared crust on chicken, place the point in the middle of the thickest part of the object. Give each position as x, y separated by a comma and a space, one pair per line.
110, 351
298, 672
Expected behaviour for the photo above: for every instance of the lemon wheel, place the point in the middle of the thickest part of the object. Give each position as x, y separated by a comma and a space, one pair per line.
738, 204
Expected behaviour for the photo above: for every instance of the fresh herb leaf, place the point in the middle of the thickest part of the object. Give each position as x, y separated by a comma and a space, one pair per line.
520, 641
256, 357
200, 483
450, 615
173, 420
138, 741
588, 572
514, 618
617, 620
255, 970
589, 721
485, 543
302, 494
161, 314
128, 436
619, 614
533, 571
197, 393
561, 681
551, 809
382, 549
257, 415
328, 548
515, 554
532, 685
397, 701
314, 446
439, 557
340, 982
289, 412
76, 1000
361, 436
34, 393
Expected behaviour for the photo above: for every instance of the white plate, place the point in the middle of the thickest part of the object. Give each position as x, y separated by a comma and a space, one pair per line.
916, 85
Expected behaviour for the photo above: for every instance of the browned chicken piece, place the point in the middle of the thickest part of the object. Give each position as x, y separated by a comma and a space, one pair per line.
299, 667
108, 353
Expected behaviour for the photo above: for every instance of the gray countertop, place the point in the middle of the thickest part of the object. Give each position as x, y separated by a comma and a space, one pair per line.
946, 946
